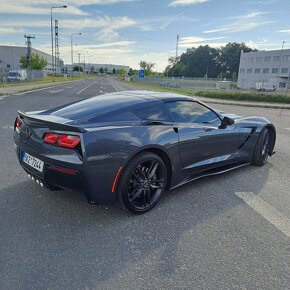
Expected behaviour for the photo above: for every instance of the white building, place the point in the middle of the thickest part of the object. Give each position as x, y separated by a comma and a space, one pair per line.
266, 67
87, 67
10, 56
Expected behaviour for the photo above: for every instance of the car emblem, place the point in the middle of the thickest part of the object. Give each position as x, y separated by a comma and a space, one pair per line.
28, 132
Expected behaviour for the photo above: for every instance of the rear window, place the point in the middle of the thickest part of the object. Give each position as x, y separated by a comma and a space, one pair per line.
112, 108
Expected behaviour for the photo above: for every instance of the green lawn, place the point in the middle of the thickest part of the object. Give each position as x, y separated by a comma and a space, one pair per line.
48, 79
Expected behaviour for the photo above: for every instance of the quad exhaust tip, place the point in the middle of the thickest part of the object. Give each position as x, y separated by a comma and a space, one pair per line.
38, 181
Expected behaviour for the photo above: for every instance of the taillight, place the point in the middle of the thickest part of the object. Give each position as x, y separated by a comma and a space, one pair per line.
69, 141
50, 138
63, 140
18, 124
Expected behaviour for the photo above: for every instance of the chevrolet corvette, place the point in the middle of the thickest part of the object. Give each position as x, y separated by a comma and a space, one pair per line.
131, 147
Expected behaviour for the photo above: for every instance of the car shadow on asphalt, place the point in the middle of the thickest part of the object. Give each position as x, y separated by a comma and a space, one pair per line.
60, 232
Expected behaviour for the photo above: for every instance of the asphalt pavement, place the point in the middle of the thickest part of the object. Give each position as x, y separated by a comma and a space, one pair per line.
224, 232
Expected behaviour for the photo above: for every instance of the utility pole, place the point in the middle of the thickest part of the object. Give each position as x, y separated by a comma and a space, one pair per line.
177, 43
28, 56
79, 55
56, 49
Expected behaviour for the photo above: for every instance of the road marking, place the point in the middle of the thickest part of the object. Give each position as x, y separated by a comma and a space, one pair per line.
86, 88
8, 127
70, 87
287, 129
268, 212
101, 91
1, 98
53, 92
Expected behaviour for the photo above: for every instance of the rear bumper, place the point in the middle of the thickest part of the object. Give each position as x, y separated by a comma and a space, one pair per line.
55, 174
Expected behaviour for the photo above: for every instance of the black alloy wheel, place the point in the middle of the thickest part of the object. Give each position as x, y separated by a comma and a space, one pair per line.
265, 146
142, 183
262, 148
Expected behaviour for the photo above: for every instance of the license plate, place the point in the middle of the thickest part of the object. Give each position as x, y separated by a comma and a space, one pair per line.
33, 162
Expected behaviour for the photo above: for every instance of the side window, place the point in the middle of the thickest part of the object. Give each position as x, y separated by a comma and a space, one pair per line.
192, 112
152, 111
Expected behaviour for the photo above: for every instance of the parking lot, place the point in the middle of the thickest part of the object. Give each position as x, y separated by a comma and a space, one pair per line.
230, 231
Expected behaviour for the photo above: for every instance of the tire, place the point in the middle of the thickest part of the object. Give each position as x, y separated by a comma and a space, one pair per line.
262, 148
142, 183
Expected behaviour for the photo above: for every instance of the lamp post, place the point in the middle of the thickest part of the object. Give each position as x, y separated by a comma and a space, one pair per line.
51, 32
280, 64
71, 47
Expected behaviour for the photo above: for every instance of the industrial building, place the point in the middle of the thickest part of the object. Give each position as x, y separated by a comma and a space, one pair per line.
10, 56
271, 68
87, 67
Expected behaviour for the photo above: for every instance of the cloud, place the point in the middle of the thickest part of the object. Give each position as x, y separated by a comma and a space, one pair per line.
238, 27
243, 23
9, 30
36, 7
193, 39
264, 2
43, 7
175, 3
284, 31
197, 44
249, 15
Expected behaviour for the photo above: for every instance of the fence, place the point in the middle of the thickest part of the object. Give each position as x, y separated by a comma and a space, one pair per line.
188, 84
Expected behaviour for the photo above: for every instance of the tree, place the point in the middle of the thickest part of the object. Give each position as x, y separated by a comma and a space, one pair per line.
206, 61
78, 68
122, 72
234, 76
230, 56
92, 71
37, 62
114, 71
178, 70
101, 70
197, 62
146, 66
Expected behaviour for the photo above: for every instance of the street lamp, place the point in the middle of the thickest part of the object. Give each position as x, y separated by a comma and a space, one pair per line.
51, 32
71, 47
280, 64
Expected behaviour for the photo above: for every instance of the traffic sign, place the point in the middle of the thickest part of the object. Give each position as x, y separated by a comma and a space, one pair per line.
141, 73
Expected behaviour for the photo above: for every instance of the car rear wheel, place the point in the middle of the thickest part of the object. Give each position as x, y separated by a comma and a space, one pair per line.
142, 183
262, 148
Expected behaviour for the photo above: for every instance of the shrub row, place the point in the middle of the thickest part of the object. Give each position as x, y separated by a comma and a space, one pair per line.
247, 96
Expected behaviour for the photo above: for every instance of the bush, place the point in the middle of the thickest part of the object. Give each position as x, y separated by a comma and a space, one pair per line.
241, 96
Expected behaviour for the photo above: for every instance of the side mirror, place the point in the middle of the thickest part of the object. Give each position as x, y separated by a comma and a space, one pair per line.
226, 122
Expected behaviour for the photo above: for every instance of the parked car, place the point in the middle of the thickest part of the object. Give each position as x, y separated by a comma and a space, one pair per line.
164, 84
130, 147
17, 75
176, 86
265, 87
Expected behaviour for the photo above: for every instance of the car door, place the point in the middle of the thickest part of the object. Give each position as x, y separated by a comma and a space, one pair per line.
202, 144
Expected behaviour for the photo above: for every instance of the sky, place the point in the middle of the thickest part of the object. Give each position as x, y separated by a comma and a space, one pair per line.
128, 31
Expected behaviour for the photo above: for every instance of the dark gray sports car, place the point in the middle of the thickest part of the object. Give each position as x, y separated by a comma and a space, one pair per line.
130, 147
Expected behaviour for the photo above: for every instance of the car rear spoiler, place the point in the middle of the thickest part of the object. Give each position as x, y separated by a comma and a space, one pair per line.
43, 120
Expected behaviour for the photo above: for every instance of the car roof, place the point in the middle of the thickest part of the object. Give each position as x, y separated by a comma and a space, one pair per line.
151, 95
